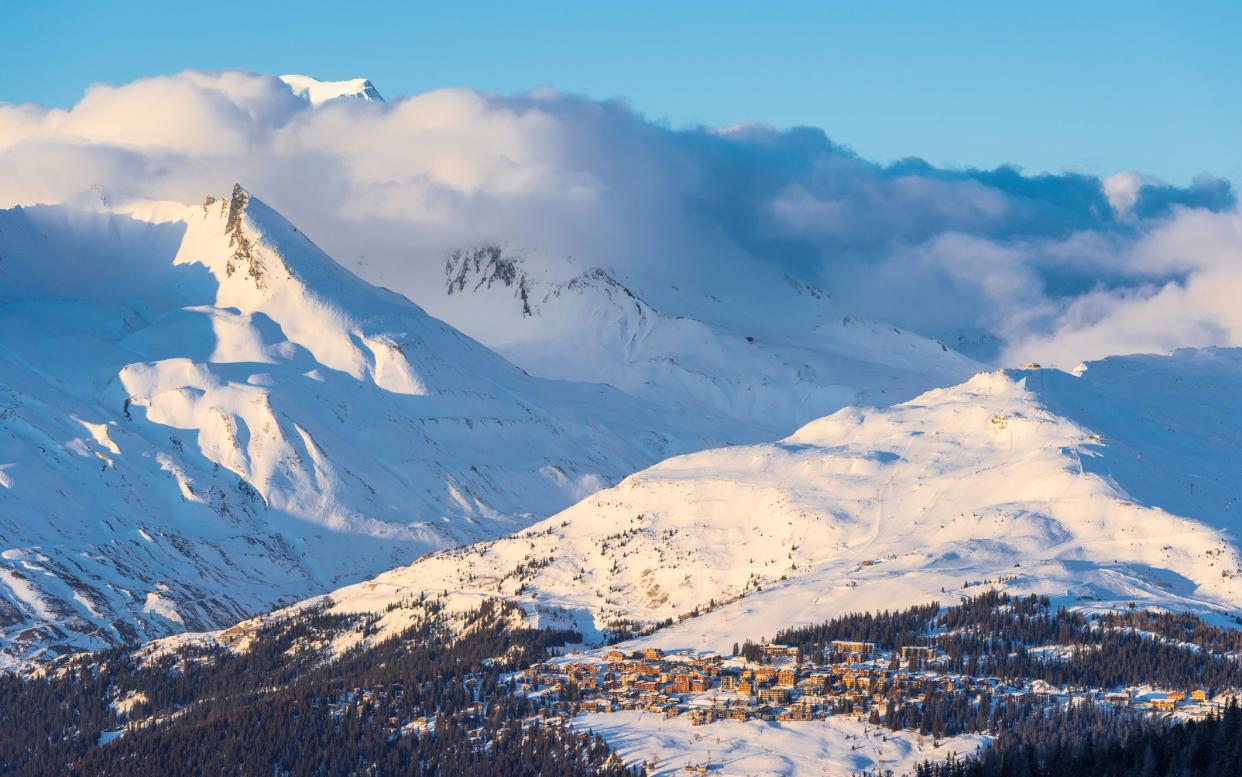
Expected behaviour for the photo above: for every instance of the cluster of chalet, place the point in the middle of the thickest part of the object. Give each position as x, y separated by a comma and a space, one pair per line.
783, 687
1199, 700
851, 678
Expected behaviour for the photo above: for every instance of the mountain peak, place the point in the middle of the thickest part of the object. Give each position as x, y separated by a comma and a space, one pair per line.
1051, 483
203, 414
318, 92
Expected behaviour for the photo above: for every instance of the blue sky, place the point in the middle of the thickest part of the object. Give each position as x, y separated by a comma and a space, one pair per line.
1092, 87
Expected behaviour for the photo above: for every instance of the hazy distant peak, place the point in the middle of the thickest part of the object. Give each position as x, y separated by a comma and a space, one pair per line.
318, 92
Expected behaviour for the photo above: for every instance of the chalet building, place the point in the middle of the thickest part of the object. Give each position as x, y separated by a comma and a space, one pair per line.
816, 682
795, 713
691, 683
914, 653
1164, 705
863, 650
780, 651
814, 700
728, 682
786, 678
700, 716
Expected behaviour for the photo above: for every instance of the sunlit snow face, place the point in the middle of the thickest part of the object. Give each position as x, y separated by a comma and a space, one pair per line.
1058, 267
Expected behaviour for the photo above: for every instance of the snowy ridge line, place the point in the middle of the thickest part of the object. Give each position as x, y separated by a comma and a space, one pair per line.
736, 359
318, 92
202, 416
1037, 480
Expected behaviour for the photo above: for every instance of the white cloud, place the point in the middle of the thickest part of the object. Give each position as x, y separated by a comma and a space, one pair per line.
1122, 189
1068, 266
1198, 257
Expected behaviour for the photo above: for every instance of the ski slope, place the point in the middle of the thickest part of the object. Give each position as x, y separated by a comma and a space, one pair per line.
836, 747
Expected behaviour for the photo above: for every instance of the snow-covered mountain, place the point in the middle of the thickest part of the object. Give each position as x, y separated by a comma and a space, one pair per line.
318, 92
202, 415
771, 351
1117, 483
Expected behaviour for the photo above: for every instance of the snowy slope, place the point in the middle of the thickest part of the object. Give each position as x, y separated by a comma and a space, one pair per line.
1114, 484
836, 747
318, 92
202, 415
775, 352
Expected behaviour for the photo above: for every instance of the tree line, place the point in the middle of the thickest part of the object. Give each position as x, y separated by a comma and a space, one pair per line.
1198, 748
993, 635
279, 708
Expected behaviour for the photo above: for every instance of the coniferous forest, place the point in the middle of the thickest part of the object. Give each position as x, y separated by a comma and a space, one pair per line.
1202, 748
1000, 636
278, 709
994, 634
441, 699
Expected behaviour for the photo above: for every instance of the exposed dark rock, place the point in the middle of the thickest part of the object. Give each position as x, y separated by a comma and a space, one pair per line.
487, 265
239, 241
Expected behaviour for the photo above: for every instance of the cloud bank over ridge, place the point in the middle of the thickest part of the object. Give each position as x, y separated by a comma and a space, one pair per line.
1010, 267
